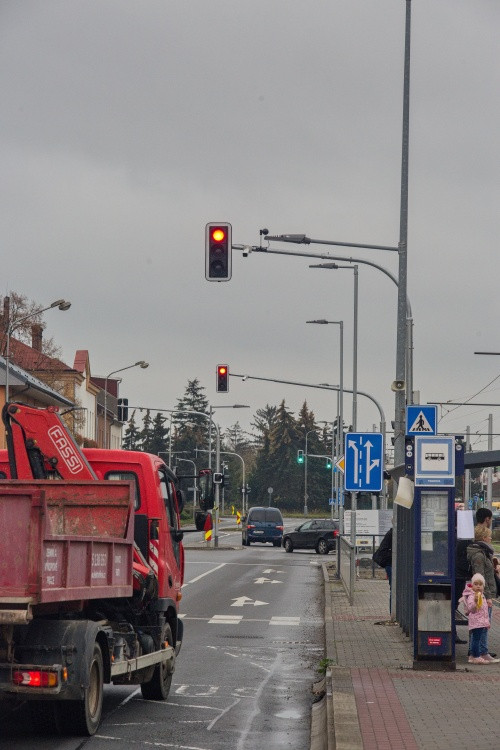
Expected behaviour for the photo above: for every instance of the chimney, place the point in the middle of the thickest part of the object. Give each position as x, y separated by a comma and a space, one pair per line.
36, 337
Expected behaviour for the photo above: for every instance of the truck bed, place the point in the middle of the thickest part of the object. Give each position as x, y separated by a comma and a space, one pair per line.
63, 541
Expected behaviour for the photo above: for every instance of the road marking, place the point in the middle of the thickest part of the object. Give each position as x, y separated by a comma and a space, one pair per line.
266, 580
272, 570
284, 621
242, 600
193, 580
225, 620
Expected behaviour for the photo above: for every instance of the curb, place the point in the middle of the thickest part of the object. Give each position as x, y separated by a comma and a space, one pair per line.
341, 723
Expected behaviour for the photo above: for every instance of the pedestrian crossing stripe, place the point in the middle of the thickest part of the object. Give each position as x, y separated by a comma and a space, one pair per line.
421, 424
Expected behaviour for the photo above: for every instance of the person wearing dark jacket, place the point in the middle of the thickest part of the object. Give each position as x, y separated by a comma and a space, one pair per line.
480, 557
383, 558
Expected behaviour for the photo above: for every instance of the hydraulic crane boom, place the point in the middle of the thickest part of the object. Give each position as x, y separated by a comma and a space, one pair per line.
39, 444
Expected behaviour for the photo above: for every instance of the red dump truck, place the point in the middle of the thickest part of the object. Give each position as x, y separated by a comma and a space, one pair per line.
91, 569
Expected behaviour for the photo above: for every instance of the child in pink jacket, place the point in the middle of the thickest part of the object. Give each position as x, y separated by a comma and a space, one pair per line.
477, 609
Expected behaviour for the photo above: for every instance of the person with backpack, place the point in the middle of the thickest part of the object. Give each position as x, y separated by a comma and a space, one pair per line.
480, 556
383, 558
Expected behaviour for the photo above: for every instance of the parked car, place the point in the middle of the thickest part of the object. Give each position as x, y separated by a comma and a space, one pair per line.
262, 525
495, 523
319, 534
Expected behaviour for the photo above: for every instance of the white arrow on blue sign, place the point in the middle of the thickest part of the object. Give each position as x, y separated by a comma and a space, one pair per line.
364, 462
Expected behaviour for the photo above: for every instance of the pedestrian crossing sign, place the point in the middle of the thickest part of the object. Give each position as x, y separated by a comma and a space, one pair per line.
421, 420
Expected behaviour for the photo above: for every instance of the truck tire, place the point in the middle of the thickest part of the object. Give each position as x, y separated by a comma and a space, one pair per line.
158, 687
84, 716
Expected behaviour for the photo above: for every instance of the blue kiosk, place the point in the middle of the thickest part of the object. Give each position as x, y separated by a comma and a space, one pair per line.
434, 461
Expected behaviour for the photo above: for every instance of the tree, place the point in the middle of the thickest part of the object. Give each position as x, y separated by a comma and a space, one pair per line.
14, 308
131, 439
191, 430
156, 440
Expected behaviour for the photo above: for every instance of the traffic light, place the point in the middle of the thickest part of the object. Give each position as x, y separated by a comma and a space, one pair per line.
218, 248
300, 457
328, 463
222, 383
123, 409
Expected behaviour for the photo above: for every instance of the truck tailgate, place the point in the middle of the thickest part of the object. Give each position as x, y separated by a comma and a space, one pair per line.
64, 541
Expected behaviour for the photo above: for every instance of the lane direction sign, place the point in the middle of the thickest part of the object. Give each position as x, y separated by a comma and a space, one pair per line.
364, 462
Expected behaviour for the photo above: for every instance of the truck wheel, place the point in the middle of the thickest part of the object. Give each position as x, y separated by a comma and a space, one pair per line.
83, 717
158, 687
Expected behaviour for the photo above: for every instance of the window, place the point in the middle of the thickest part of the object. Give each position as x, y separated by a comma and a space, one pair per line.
126, 476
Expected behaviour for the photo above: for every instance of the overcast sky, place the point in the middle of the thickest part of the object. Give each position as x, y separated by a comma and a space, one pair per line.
126, 126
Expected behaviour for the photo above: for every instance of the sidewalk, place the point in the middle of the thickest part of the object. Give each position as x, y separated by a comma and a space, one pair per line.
376, 701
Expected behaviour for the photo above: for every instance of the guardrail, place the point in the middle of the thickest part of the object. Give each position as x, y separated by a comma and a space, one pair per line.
349, 560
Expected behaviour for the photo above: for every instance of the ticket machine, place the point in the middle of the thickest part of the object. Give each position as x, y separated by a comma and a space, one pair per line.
434, 463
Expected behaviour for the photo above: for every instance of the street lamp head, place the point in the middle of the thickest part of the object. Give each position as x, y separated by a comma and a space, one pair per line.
64, 305
142, 364
241, 406
321, 322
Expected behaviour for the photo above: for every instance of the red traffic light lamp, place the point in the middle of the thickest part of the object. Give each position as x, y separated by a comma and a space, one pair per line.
222, 383
218, 251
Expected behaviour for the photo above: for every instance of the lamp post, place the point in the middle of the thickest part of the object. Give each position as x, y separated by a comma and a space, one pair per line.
232, 453
305, 473
62, 304
143, 365
222, 406
340, 423
326, 386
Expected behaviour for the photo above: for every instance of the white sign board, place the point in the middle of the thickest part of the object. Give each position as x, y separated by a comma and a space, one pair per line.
369, 522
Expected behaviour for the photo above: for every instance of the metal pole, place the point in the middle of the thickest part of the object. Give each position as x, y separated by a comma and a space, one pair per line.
489, 471
467, 471
305, 477
217, 486
170, 444
355, 355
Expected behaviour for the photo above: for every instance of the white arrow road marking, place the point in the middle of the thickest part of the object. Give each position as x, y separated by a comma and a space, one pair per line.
266, 580
242, 600
272, 570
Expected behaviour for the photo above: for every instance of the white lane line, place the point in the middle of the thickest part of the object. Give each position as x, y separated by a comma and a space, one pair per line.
284, 621
207, 573
225, 620
222, 713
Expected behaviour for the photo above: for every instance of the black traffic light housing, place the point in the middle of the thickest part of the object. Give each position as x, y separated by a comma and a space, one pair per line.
222, 379
218, 251
123, 409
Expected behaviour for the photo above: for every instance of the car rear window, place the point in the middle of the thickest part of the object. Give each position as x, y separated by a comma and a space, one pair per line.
257, 515
273, 516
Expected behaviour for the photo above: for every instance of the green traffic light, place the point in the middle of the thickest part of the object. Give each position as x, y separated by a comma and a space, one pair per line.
300, 457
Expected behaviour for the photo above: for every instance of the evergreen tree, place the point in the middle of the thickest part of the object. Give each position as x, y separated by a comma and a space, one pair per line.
146, 432
283, 466
192, 430
157, 439
131, 439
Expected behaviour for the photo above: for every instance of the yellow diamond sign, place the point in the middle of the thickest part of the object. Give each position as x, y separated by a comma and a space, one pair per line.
340, 464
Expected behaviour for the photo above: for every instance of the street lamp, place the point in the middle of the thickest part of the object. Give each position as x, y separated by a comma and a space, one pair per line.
340, 425
305, 473
142, 364
62, 304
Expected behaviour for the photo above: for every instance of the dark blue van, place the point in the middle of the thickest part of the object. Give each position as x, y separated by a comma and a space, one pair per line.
262, 525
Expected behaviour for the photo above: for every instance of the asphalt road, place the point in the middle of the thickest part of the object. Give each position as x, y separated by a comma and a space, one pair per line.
253, 642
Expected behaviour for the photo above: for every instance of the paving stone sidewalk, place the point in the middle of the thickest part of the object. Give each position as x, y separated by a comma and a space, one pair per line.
380, 702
